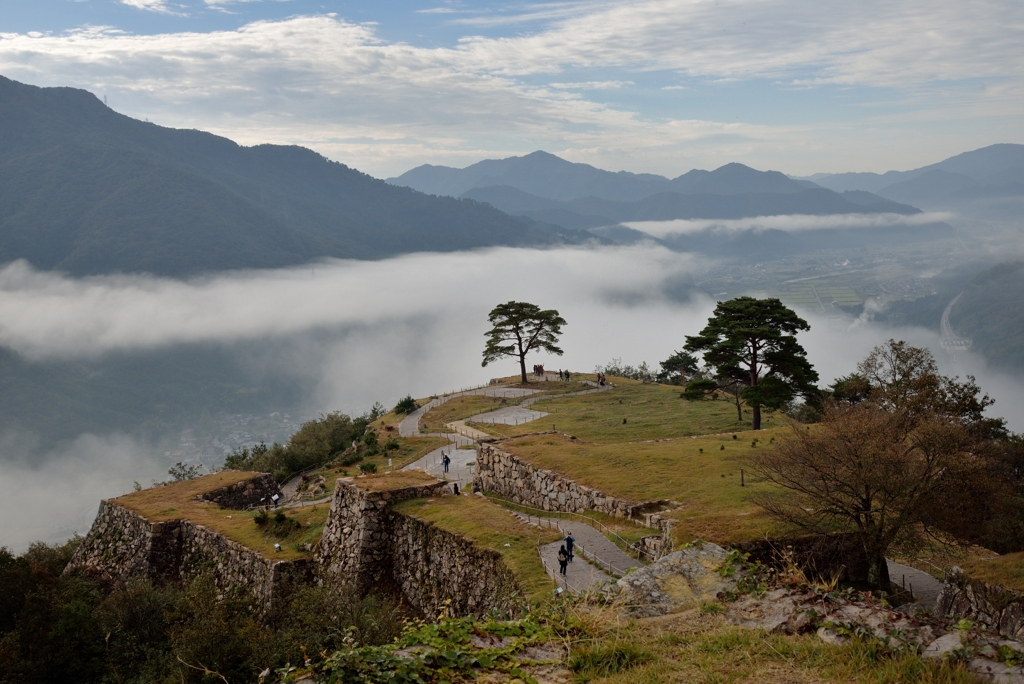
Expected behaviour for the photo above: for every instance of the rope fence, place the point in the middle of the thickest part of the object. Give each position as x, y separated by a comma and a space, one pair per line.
575, 516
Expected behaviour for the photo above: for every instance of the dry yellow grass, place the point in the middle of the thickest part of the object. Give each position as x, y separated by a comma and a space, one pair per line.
177, 501
697, 472
490, 526
396, 480
650, 411
1006, 571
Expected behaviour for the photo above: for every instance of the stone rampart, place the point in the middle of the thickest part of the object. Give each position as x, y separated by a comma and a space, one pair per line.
238, 568
354, 545
438, 570
995, 607
244, 494
512, 478
366, 543
122, 545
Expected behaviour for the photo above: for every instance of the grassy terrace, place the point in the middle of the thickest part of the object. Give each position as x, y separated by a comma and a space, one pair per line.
410, 449
697, 472
490, 526
396, 480
651, 411
177, 501
460, 408
1006, 571
464, 407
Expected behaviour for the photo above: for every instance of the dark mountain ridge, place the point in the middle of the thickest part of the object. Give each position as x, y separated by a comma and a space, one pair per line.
545, 175
87, 190
993, 171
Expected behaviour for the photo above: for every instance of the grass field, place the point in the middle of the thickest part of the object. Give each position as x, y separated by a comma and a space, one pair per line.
396, 480
177, 501
460, 408
1006, 571
696, 647
650, 411
490, 526
697, 472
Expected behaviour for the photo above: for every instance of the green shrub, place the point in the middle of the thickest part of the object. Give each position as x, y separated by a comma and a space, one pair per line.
406, 405
352, 459
368, 467
260, 518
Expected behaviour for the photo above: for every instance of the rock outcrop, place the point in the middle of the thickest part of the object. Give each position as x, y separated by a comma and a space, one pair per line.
679, 581
988, 604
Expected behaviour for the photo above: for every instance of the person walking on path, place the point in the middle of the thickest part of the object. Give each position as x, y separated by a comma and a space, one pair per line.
445, 461
563, 560
569, 542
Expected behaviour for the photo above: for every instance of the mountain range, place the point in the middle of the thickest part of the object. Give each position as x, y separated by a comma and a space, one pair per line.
547, 188
86, 190
989, 172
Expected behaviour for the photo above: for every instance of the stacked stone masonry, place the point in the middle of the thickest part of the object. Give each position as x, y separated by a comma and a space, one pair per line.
988, 604
257, 491
366, 543
512, 478
122, 546
438, 570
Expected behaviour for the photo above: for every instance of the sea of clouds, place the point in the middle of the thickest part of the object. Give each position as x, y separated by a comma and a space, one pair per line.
360, 332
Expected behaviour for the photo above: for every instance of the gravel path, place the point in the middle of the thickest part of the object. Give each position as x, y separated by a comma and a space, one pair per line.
590, 543
410, 425
579, 575
459, 469
926, 587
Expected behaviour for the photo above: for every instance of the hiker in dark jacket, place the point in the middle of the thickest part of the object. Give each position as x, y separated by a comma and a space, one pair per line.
563, 560
570, 541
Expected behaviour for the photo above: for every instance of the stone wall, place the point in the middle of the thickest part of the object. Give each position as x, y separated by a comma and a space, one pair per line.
991, 605
354, 544
366, 543
438, 570
514, 479
122, 546
242, 495
238, 568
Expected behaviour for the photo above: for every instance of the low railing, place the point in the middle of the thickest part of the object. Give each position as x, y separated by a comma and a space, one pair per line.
640, 552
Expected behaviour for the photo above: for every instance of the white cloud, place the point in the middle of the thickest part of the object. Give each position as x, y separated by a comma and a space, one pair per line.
150, 5
336, 86
788, 223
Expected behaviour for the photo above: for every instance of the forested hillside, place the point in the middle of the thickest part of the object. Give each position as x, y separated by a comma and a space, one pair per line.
991, 313
87, 190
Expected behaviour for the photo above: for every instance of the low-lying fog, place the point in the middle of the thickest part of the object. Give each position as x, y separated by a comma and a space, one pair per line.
360, 332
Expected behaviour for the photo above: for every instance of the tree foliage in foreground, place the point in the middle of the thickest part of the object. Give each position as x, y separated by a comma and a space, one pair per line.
519, 328
752, 342
909, 459
56, 628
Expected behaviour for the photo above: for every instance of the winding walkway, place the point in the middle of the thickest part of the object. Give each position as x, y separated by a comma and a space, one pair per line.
590, 543
926, 588
606, 559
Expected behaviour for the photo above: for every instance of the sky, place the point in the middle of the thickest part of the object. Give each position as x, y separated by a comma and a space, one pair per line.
658, 86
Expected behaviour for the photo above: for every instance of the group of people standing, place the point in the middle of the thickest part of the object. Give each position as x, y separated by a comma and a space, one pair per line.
600, 379
564, 376
565, 553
